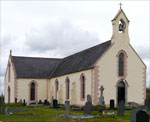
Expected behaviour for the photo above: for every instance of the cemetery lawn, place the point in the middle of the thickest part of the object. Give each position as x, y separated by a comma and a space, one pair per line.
46, 114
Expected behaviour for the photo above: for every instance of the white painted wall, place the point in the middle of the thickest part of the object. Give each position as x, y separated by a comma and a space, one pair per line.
74, 87
23, 89
9, 84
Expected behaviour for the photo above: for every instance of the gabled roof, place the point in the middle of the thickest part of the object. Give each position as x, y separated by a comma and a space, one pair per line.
120, 11
29, 67
81, 61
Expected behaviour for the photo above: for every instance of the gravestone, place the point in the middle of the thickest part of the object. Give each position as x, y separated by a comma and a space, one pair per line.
36, 103
121, 108
147, 103
45, 102
28, 103
111, 104
133, 104
139, 116
15, 100
88, 105
67, 108
101, 98
142, 116
7, 111
3, 106
24, 102
54, 103
40, 102
20, 101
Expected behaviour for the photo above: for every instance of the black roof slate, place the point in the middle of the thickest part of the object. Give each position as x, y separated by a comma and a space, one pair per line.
30, 67
81, 61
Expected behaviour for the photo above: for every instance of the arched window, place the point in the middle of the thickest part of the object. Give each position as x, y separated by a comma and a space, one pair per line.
67, 88
82, 78
32, 91
121, 64
8, 72
56, 88
8, 94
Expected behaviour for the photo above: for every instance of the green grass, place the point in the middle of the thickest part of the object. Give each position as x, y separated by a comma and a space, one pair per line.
46, 114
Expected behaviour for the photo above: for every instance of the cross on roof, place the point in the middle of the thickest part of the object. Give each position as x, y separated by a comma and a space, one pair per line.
120, 4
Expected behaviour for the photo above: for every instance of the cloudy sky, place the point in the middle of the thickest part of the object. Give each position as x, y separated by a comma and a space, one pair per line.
60, 28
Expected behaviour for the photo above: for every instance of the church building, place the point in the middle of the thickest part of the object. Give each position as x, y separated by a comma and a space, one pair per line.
114, 64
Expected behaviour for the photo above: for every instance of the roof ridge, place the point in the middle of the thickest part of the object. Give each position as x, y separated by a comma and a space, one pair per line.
37, 57
55, 69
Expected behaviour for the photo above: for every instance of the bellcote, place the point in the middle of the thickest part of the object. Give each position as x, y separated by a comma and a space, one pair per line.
120, 25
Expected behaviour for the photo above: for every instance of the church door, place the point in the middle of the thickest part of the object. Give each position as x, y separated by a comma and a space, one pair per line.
121, 92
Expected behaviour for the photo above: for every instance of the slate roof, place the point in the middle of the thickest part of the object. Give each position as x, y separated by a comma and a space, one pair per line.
81, 61
29, 67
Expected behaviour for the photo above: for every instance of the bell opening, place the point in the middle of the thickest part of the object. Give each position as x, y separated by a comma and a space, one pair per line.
121, 26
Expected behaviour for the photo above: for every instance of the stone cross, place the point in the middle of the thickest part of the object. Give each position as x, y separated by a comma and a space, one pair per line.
120, 4
101, 98
101, 90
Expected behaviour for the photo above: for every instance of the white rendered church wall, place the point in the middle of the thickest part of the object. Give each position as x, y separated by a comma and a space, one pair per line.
24, 89
9, 84
108, 74
74, 79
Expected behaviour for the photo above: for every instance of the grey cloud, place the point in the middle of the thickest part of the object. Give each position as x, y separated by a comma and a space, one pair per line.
61, 37
143, 51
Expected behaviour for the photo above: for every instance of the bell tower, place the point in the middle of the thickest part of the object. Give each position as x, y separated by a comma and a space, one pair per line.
120, 25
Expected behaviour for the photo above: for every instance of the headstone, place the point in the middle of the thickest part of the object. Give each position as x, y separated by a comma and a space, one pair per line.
133, 104
147, 103
20, 101
3, 104
111, 104
142, 116
67, 108
24, 102
36, 103
15, 100
45, 102
28, 103
3, 107
54, 103
139, 116
101, 98
121, 108
88, 105
40, 102
7, 111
